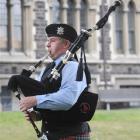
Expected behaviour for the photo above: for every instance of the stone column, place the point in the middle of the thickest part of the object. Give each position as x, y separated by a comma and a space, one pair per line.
105, 45
27, 27
91, 22
50, 11
40, 23
64, 8
77, 16
10, 29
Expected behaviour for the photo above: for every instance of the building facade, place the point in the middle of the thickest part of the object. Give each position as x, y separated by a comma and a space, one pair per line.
113, 53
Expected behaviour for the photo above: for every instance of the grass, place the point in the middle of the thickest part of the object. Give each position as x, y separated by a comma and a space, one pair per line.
113, 125
116, 125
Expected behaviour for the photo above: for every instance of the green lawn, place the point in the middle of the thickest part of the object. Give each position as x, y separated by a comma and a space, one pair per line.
114, 125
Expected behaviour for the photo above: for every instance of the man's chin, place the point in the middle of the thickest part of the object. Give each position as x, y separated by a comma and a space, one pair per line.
51, 56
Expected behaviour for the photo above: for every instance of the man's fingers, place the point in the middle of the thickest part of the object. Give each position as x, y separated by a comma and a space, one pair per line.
22, 108
27, 102
27, 115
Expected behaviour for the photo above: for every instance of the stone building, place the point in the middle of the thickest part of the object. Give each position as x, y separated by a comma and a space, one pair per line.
113, 53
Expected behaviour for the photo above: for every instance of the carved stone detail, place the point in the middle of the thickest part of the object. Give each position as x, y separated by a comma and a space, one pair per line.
40, 23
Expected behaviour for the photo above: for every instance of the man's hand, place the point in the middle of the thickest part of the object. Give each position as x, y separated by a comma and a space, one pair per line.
36, 116
27, 103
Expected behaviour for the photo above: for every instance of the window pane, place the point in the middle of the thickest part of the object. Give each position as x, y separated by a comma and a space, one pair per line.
132, 42
6, 99
119, 30
55, 11
71, 12
83, 20
119, 18
83, 15
3, 25
17, 25
119, 42
131, 28
131, 20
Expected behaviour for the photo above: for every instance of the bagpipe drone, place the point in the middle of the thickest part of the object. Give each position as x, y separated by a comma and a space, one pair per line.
85, 107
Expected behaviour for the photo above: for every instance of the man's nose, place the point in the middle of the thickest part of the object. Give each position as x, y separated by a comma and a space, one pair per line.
48, 44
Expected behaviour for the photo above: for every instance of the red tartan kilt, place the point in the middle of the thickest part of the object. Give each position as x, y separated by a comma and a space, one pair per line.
84, 136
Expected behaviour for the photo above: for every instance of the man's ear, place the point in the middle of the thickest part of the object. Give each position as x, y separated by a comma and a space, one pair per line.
66, 44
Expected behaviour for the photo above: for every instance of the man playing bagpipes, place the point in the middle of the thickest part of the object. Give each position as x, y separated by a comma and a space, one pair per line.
55, 103
61, 97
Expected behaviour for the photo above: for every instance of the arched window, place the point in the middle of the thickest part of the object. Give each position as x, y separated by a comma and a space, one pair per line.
17, 25
131, 27
119, 30
3, 25
83, 14
11, 26
70, 12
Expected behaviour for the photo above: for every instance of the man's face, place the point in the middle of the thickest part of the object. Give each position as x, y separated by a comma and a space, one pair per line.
56, 46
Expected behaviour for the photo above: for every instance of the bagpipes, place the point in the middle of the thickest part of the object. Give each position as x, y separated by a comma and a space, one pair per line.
85, 107
18, 84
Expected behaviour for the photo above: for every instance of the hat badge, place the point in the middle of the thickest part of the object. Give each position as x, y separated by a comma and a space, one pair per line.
60, 30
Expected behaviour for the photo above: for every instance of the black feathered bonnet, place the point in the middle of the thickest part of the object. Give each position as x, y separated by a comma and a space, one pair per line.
61, 30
